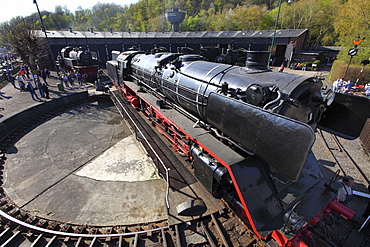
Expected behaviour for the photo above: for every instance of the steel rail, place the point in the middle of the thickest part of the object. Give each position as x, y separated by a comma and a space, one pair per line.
331, 152
208, 235
343, 149
78, 235
224, 241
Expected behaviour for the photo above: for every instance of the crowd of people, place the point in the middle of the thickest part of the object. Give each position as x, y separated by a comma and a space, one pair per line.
24, 80
348, 87
342, 86
69, 80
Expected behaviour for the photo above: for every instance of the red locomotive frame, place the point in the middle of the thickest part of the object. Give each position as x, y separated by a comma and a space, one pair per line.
176, 136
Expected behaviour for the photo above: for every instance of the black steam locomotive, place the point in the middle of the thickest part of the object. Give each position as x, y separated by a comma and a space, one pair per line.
73, 59
263, 164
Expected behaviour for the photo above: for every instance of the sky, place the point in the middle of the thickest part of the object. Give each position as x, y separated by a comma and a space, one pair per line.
13, 8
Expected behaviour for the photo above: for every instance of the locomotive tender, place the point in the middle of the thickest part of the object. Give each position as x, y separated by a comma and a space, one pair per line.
263, 165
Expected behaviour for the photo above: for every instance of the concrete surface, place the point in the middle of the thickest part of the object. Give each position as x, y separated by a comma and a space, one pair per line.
81, 167
125, 161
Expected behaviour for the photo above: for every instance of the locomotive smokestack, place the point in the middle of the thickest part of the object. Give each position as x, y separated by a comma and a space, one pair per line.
257, 60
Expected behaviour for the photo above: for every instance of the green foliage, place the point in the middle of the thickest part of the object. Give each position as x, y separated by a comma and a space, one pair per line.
21, 37
58, 20
331, 22
339, 67
317, 15
353, 23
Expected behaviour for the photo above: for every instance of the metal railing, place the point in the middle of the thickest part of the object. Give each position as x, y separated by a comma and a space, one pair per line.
143, 138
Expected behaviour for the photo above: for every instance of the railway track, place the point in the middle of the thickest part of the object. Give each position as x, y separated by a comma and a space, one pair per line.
343, 159
215, 230
21, 228
342, 232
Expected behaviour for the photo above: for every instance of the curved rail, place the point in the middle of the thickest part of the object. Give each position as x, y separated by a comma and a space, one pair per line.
79, 235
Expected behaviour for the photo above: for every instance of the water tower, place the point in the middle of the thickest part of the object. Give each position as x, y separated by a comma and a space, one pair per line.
175, 17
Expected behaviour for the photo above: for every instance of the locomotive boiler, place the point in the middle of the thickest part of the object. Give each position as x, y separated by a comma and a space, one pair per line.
263, 164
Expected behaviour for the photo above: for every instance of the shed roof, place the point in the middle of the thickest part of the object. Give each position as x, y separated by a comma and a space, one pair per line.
204, 34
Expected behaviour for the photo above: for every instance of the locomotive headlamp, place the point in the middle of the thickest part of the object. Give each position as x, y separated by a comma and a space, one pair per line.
323, 96
328, 97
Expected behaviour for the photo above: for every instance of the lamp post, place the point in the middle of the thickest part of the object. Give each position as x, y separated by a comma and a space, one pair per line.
273, 36
46, 37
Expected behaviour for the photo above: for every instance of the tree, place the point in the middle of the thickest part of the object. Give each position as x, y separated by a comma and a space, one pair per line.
254, 17
316, 15
102, 13
200, 22
21, 37
353, 23
61, 19
331, 22
82, 19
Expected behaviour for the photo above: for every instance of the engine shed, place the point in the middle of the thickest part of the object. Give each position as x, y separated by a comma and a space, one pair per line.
287, 41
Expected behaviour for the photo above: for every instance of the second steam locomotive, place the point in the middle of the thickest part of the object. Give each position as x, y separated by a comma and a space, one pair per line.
264, 123
79, 59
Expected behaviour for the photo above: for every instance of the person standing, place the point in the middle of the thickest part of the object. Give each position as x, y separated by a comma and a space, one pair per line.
11, 79
23, 74
345, 192
27, 71
335, 85
281, 68
65, 80
340, 85
44, 75
79, 78
31, 89
71, 78
19, 78
367, 90
39, 86
348, 87
45, 89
